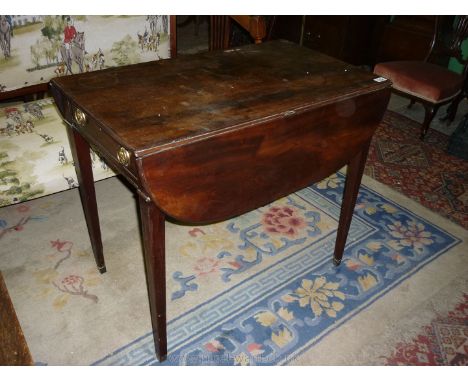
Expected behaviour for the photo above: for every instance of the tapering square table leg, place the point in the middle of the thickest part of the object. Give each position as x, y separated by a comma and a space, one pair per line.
84, 171
153, 230
350, 193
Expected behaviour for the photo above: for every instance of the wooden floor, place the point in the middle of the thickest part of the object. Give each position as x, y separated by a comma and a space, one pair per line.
13, 348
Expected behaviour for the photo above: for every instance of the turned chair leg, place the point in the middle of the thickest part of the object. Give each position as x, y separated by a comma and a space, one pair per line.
431, 111
452, 109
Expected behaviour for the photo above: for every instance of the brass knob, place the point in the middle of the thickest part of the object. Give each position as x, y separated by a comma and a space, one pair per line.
80, 117
123, 156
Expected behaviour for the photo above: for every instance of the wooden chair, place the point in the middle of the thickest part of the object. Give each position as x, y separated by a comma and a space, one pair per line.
426, 81
220, 29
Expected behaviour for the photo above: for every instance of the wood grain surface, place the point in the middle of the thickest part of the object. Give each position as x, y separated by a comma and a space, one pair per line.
214, 135
149, 106
14, 350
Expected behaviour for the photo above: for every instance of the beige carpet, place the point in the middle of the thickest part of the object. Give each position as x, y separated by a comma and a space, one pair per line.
72, 315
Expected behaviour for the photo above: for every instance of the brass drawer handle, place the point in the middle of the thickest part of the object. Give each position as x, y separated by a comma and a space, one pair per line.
123, 156
80, 117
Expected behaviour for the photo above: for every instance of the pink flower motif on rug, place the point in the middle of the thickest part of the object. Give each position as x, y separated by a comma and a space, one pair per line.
412, 235
4, 229
73, 285
443, 342
61, 272
283, 221
206, 265
23, 208
255, 349
63, 247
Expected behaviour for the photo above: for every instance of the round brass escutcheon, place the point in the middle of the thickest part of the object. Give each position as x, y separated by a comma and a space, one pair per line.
123, 156
80, 118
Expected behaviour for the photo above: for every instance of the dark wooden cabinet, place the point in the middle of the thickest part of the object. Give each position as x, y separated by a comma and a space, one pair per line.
288, 28
353, 39
345, 37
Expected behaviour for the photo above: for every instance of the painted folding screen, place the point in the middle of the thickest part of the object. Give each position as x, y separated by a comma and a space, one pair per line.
35, 49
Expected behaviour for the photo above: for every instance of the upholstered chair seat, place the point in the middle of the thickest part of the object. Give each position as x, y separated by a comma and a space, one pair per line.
428, 81
432, 85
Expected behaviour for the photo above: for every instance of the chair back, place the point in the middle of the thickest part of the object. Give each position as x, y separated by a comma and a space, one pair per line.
220, 29
448, 37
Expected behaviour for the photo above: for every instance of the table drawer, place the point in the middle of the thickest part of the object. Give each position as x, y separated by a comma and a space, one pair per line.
119, 158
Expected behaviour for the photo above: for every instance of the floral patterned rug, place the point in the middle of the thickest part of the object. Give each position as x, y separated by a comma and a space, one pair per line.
444, 342
259, 289
421, 170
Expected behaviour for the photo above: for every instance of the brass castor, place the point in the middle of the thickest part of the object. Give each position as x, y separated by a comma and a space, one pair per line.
336, 261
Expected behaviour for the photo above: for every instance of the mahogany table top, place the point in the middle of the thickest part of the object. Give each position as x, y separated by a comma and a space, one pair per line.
152, 106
